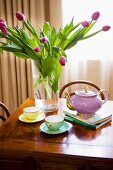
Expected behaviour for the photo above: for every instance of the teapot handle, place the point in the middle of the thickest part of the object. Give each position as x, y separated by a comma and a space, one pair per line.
105, 95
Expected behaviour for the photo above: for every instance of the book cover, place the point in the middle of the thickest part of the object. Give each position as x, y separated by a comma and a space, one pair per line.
95, 126
91, 119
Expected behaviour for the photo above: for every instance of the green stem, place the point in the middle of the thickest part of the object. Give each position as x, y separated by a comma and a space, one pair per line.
46, 85
91, 35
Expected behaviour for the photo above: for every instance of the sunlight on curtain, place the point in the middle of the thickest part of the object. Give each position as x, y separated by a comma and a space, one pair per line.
91, 59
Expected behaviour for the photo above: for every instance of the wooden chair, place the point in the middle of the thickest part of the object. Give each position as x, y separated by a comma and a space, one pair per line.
80, 82
7, 114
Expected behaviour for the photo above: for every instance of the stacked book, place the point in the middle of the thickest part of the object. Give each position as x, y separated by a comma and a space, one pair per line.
93, 121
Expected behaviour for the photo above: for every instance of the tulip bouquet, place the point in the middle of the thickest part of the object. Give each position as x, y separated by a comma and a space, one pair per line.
48, 49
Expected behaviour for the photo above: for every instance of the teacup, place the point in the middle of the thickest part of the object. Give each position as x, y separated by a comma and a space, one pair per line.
32, 112
54, 122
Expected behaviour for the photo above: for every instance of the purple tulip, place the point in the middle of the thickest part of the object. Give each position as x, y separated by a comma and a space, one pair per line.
20, 16
85, 24
62, 60
37, 49
44, 39
2, 20
95, 15
2, 25
105, 28
4, 31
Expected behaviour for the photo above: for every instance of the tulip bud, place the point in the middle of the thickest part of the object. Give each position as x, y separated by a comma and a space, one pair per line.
62, 60
2, 25
20, 16
95, 15
37, 49
85, 24
4, 31
105, 28
2, 20
44, 39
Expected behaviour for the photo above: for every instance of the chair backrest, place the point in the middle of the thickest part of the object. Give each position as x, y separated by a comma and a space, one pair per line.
7, 114
80, 82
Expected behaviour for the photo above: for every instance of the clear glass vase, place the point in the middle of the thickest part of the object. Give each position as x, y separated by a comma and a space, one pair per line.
45, 97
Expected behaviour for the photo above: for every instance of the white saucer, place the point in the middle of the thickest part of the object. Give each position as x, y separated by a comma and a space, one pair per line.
39, 118
62, 129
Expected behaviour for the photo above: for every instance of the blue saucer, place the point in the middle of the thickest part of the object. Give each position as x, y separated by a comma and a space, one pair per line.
62, 129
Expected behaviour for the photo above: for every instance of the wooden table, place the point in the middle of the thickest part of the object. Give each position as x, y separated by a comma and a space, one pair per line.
24, 147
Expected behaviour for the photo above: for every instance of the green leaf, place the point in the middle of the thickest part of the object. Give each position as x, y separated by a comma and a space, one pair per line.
21, 37
76, 33
62, 37
32, 30
48, 66
55, 86
27, 39
59, 39
31, 54
11, 48
55, 43
17, 31
15, 40
53, 36
75, 37
56, 48
21, 55
64, 44
47, 29
57, 71
65, 29
12, 31
26, 47
69, 28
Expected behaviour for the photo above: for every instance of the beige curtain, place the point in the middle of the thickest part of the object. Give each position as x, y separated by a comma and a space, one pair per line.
15, 73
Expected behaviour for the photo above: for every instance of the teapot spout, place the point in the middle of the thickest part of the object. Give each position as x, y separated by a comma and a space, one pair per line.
68, 101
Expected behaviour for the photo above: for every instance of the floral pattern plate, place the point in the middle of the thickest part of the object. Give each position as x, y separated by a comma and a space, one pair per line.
62, 129
39, 118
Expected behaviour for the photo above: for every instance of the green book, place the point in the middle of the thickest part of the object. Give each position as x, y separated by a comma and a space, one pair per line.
91, 119
96, 126
71, 118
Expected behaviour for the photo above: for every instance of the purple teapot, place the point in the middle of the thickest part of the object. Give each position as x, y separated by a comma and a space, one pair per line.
86, 101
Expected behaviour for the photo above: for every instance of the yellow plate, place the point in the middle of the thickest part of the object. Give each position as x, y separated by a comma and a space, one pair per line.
39, 118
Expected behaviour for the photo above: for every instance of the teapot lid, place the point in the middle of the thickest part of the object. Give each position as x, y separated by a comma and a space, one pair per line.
88, 93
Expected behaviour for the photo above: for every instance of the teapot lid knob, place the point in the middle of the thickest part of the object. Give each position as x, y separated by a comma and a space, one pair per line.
86, 89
